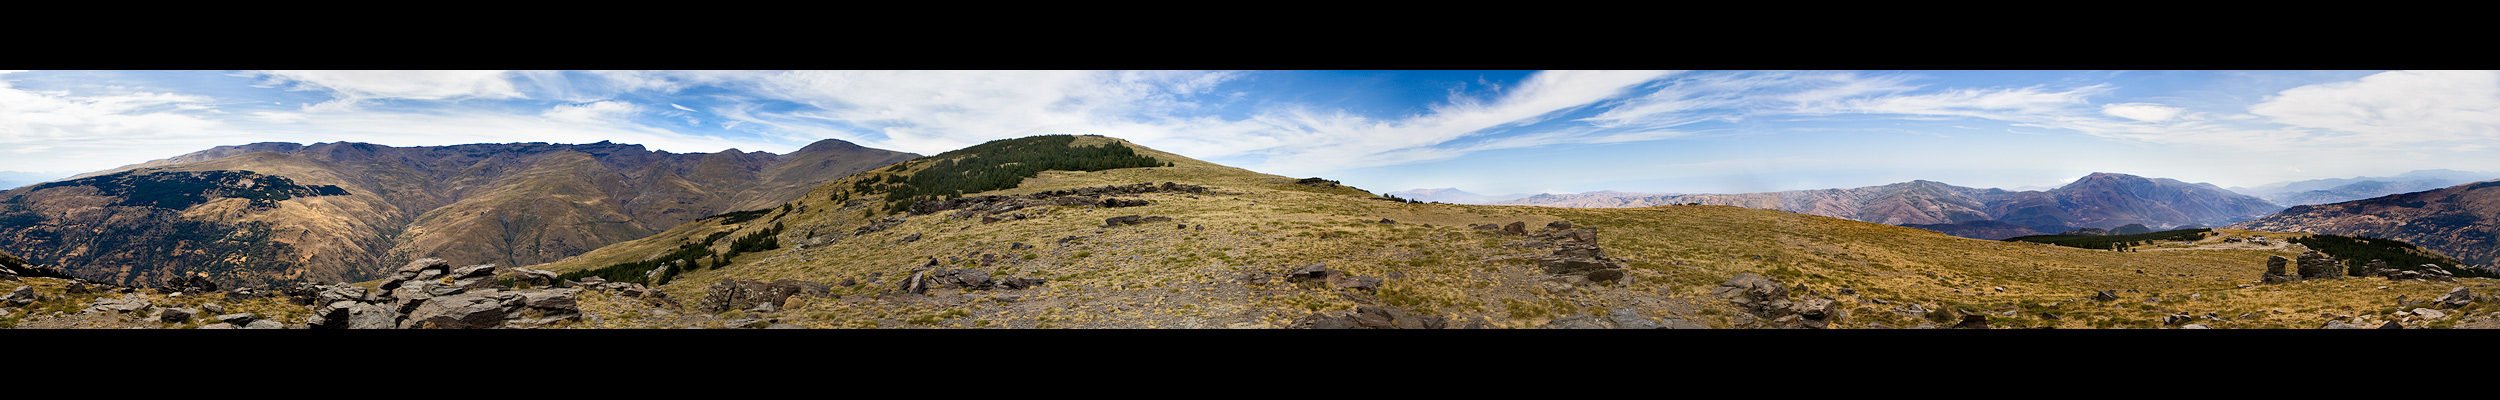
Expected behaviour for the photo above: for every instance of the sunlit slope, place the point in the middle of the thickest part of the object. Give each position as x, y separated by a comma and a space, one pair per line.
1200, 269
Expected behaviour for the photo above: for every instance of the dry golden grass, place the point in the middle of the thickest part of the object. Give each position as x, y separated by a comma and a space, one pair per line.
1172, 275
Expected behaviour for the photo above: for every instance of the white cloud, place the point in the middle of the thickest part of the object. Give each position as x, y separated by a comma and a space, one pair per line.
2147, 112
592, 113
680, 107
351, 87
2395, 107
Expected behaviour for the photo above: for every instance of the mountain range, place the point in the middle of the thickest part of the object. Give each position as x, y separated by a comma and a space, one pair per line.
2337, 190
2100, 200
1095, 232
2460, 221
1453, 196
277, 212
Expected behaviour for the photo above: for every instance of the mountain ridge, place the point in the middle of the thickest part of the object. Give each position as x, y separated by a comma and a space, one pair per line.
2099, 200
509, 203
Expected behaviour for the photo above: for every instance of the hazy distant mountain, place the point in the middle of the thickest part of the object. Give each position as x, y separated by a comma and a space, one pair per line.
14, 179
271, 212
2460, 221
1453, 196
2100, 200
1597, 199
2337, 190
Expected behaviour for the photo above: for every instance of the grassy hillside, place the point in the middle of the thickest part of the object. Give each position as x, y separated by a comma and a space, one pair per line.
1195, 270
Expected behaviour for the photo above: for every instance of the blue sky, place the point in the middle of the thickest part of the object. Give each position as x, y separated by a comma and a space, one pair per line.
1488, 132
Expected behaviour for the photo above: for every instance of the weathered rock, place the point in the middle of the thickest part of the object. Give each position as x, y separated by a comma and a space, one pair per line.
1565, 265
471, 310
2277, 271
1022, 283
2106, 295
737, 294
1625, 318
532, 278
2195, 326
1972, 321
190, 284
2315, 265
1516, 228
1678, 323
2430, 313
2456, 297
559, 300
264, 324
1576, 321
2338, 324
177, 314
220, 325
237, 318
1752, 291
1315, 271
1123, 220
1363, 283
1606, 275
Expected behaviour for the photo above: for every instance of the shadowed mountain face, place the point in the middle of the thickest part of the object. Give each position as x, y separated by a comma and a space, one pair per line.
2457, 221
2100, 200
274, 212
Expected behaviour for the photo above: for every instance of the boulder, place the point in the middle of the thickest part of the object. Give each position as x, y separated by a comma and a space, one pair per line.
2315, 265
1516, 228
237, 318
176, 314
1972, 321
2108, 295
555, 300
1022, 283
2456, 297
1606, 275
1315, 271
2278, 270
470, 310
535, 278
264, 324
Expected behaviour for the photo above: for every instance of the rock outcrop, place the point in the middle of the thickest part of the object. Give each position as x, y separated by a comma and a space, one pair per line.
1766, 298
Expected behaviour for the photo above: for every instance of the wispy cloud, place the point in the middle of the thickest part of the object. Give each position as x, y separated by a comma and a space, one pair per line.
352, 87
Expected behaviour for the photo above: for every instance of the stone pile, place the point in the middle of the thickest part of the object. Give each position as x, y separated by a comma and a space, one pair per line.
1574, 252
1766, 298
